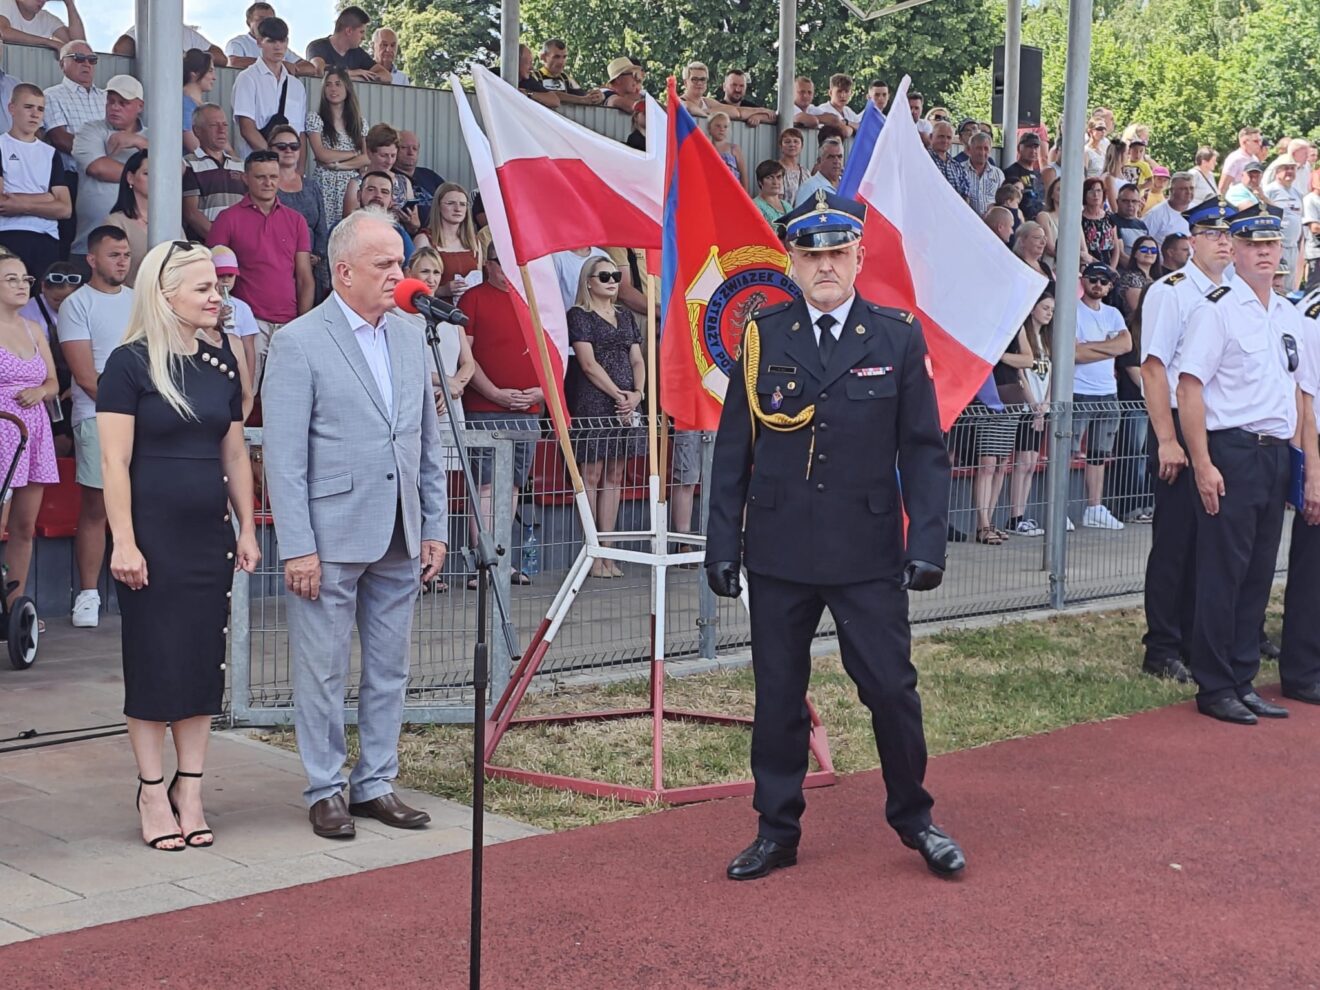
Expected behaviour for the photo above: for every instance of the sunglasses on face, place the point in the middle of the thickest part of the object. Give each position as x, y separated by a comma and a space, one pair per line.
59, 278
1097, 280
605, 278
84, 59
285, 146
1148, 250
1290, 349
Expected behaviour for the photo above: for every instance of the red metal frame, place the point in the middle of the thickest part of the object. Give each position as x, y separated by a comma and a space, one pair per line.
503, 718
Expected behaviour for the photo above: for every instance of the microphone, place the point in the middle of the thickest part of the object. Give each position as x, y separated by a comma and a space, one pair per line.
412, 296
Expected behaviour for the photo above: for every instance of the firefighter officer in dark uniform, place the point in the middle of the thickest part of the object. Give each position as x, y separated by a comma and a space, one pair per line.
1239, 401
829, 434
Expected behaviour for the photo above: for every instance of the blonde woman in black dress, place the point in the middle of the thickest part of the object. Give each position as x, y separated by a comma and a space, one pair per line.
604, 391
169, 412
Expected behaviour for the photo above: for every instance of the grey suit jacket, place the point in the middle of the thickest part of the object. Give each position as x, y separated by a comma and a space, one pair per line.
337, 464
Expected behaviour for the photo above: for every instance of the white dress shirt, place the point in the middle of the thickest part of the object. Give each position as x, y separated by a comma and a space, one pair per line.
256, 95
375, 348
1164, 314
1235, 348
840, 314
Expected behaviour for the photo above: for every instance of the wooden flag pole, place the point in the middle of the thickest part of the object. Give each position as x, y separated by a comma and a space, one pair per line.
558, 416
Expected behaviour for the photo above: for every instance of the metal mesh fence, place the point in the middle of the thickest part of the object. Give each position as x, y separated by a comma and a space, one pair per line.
997, 551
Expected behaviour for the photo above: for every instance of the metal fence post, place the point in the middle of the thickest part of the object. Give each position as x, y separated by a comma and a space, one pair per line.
502, 499
1065, 318
708, 615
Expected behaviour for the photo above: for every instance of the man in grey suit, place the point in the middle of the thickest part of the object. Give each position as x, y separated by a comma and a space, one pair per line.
357, 487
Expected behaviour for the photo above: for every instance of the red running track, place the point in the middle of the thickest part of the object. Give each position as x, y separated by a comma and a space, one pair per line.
1164, 850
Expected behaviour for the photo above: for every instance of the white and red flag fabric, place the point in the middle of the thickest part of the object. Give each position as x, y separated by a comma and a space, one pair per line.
548, 184
928, 252
566, 186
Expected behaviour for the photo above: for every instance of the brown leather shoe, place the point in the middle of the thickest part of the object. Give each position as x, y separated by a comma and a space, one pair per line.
330, 818
389, 810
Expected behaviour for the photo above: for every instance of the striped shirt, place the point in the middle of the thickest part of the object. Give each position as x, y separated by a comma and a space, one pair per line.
216, 184
954, 172
69, 105
984, 186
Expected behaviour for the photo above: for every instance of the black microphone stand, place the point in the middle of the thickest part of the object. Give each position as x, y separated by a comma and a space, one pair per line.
485, 557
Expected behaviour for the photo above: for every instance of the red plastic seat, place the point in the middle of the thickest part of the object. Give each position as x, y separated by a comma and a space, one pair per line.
61, 503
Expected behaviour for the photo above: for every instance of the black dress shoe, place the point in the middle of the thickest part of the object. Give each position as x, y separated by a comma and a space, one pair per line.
1263, 708
943, 856
760, 858
1309, 693
1227, 710
1268, 650
956, 535
1171, 669
389, 810
330, 818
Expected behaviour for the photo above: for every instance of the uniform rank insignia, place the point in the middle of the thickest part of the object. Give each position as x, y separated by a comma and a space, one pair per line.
873, 372
777, 398
1313, 310
1175, 278
1218, 294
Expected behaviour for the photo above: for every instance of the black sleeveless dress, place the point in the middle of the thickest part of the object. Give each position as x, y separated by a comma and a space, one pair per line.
175, 628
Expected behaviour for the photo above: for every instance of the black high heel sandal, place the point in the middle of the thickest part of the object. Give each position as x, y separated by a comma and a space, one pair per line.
156, 842
204, 832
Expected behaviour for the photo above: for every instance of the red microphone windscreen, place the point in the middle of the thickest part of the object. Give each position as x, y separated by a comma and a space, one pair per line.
404, 292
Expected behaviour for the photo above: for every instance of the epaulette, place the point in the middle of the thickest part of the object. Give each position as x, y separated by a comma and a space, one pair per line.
1214, 295
1175, 278
1313, 310
762, 313
891, 312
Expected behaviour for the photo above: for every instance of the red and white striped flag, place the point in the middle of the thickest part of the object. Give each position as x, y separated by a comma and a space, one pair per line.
545, 281
568, 187
928, 252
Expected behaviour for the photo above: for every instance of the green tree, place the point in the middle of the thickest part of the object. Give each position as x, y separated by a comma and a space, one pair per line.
437, 37
934, 44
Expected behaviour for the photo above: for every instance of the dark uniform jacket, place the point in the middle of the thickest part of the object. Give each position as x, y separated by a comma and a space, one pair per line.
816, 456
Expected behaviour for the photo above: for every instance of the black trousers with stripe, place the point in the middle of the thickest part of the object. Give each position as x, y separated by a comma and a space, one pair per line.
1170, 591
875, 644
1299, 657
1236, 552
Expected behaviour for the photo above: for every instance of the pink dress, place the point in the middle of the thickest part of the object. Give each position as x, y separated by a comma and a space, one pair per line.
37, 465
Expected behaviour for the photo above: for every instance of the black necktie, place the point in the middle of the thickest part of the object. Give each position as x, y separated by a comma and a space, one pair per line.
826, 324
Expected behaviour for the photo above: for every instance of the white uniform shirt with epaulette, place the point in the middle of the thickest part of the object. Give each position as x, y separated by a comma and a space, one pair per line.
1236, 347
1164, 312
1308, 374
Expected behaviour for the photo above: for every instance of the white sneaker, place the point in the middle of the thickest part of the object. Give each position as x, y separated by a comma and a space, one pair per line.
1029, 527
87, 609
1071, 527
1098, 517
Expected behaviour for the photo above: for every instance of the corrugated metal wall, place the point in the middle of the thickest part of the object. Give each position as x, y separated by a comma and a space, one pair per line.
428, 112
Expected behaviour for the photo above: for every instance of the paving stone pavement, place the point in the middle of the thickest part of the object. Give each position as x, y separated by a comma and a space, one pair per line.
70, 851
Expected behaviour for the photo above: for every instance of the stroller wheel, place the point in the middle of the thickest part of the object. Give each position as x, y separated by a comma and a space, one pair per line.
22, 633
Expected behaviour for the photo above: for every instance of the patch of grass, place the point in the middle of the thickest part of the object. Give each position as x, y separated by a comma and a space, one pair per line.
978, 686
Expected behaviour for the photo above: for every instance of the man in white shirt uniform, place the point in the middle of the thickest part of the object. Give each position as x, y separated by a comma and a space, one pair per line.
1170, 590
1299, 656
1238, 400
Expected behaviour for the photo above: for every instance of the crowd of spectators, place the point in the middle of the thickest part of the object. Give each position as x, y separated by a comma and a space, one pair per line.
265, 188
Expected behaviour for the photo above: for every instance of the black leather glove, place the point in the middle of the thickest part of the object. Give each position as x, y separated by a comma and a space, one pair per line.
723, 578
921, 575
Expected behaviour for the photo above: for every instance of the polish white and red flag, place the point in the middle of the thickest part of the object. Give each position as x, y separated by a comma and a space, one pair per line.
548, 184
928, 252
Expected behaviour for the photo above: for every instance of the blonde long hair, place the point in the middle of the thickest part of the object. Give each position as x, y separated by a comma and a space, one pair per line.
583, 299
153, 319
467, 230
